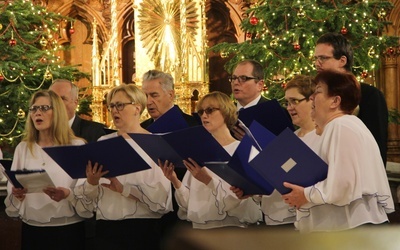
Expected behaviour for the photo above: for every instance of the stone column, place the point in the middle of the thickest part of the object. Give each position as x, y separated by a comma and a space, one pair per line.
392, 93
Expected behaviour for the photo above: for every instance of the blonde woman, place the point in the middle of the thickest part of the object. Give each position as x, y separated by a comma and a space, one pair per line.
49, 213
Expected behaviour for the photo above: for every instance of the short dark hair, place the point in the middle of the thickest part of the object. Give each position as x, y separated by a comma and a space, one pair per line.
341, 47
344, 85
258, 69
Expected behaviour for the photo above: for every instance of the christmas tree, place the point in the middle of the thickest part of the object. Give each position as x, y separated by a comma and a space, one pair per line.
30, 60
282, 34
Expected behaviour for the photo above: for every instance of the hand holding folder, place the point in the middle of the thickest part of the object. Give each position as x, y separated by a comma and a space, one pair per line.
115, 154
238, 172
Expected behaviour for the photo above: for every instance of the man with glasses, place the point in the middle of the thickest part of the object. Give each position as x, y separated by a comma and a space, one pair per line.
89, 130
247, 82
334, 52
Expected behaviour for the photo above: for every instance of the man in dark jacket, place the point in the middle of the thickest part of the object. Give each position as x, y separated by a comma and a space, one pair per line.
88, 130
334, 52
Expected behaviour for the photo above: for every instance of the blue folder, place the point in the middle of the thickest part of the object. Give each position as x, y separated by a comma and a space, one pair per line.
194, 142
288, 159
269, 114
238, 172
115, 154
171, 120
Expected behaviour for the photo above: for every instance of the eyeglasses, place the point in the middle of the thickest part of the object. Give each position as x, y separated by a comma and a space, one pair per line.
208, 111
119, 106
42, 108
293, 102
241, 79
322, 59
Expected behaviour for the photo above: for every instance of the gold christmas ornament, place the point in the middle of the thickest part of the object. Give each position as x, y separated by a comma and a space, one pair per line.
21, 114
48, 75
43, 41
273, 44
371, 52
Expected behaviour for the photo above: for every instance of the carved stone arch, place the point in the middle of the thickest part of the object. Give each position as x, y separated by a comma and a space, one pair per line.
126, 24
86, 14
220, 28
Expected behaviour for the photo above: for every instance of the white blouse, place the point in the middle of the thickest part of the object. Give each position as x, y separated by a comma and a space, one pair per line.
150, 186
214, 205
38, 209
356, 190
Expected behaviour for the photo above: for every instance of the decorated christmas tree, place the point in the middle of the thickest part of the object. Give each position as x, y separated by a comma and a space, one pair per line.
30, 60
282, 34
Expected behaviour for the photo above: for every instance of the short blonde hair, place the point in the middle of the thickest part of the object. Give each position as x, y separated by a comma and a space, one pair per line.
132, 92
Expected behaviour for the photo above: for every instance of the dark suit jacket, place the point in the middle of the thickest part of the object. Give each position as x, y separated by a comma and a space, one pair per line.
191, 121
374, 113
88, 130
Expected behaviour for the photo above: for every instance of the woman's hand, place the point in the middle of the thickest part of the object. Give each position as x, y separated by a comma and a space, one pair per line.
239, 193
19, 193
296, 197
57, 193
115, 185
198, 172
94, 173
169, 172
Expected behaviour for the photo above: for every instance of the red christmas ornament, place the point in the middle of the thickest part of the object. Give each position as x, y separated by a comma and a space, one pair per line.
296, 46
390, 51
283, 85
254, 20
364, 74
248, 35
12, 42
344, 30
71, 30
1, 77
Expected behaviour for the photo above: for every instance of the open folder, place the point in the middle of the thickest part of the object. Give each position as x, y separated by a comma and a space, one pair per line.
171, 120
194, 142
238, 172
269, 114
33, 180
115, 154
288, 159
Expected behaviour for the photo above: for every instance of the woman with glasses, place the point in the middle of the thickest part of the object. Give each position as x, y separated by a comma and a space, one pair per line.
204, 198
356, 190
49, 219
298, 104
128, 206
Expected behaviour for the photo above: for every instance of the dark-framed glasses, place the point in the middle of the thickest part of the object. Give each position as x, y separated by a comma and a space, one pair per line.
208, 111
321, 59
42, 108
293, 102
241, 79
119, 105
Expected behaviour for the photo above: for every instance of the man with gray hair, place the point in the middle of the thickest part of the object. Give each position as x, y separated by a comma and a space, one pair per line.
159, 89
88, 130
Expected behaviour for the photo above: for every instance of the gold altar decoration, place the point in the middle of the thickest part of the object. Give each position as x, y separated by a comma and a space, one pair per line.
171, 36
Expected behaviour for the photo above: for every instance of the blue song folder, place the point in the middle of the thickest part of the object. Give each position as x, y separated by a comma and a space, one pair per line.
171, 120
194, 142
115, 154
6, 163
288, 159
269, 114
238, 172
